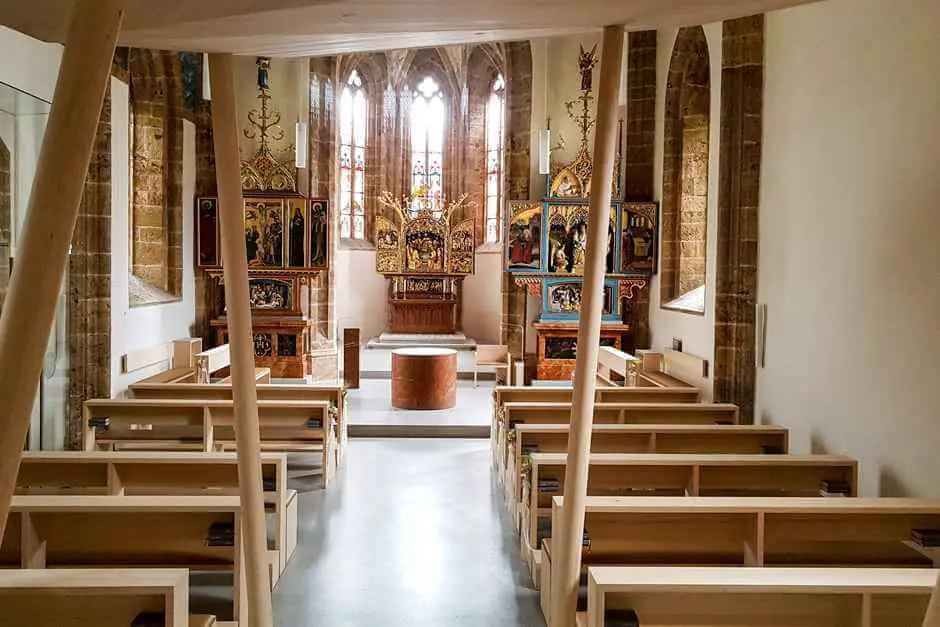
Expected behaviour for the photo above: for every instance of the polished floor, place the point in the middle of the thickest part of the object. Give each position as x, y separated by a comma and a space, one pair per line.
413, 533
371, 405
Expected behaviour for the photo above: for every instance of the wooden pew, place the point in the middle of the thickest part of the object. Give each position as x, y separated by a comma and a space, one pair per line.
96, 597
539, 438
181, 473
758, 597
126, 531
512, 414
332, 393
208, 425
676, 475
746, 531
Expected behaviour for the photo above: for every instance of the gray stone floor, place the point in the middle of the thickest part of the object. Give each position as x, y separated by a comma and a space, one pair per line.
413, 533
371, 405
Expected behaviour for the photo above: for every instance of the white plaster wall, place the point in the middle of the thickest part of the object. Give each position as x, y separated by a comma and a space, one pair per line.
360, 293
29, 64
482, 299
361, 296
696, 331
143, 327
849, 257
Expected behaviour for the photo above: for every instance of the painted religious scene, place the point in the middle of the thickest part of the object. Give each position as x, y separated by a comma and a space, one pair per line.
547, 246
424, 252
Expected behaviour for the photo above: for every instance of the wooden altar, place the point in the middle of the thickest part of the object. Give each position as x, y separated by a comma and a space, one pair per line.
546, 249
286, 241
558, 347
425, 304
424, 257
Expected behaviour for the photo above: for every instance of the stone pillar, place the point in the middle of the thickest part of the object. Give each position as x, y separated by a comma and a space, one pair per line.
639, 162
518, 151
89, 285
742, 93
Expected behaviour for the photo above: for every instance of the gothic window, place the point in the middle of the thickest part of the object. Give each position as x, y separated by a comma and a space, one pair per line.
495, 116
427, 141
352, 158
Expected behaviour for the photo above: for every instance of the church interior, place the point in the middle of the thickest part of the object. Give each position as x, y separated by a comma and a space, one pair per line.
479, 314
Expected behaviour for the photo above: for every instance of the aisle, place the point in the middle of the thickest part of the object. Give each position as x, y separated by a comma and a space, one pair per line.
413, 534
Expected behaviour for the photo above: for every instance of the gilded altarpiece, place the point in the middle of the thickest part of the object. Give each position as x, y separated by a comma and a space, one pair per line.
424, 255
546, 249
286, 244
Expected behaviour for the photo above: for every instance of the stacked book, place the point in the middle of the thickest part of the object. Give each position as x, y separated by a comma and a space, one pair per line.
221, 534
834, 488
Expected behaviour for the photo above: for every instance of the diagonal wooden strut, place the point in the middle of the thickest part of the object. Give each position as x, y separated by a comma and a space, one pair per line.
567, 540
42, 256
244, 393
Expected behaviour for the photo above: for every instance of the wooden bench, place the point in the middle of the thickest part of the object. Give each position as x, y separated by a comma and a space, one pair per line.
512, 414
758, 597
121, 473
208, 425
96, 597
675, 475
199, 533
746, 531
332, 393
539, 438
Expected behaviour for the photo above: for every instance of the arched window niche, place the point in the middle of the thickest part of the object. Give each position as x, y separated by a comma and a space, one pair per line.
495, 133
428, 127
353, 122
685, 174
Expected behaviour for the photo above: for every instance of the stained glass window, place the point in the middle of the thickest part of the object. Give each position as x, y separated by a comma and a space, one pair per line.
352, 158
427, 142
495, 115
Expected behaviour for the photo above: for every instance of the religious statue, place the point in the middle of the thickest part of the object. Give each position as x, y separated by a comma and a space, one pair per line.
586, 63
264, 66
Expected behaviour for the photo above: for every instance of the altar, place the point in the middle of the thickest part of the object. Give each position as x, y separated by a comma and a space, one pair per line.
546, 249
424, 253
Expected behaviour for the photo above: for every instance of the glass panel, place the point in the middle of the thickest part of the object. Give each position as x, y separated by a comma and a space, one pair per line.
344, 224
359, 119
436, 125
345, 179
359, 224
346, 117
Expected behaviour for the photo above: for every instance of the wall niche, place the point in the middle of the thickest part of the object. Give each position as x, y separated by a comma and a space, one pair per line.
685, 173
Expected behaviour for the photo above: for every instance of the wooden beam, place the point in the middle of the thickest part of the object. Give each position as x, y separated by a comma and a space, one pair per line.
565, 596
932, 618
244, 394
57, 190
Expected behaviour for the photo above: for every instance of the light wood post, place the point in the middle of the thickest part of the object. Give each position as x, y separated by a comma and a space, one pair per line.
42, 252
932, 618
244, 394
566, 541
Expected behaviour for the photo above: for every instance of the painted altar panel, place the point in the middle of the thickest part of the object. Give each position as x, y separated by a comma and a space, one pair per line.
264, 232
388, 252
272, 294
461, 255
282, 233
561, 300
424, 250
564, 243
639, 226
319, 228
524, 237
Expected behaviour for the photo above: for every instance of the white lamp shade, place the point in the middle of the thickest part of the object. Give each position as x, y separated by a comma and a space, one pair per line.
545, 152
206, 84
300, 145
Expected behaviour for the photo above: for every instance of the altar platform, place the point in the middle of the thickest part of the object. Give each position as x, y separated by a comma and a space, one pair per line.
376, 358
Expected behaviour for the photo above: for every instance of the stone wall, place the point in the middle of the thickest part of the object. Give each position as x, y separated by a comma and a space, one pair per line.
156, 95
742, 95
685, 166
89, 286
639, 163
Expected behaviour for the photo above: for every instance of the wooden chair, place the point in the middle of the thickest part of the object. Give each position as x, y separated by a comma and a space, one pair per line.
492, 356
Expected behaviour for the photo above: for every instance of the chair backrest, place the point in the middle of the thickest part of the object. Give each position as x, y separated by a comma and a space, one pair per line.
492, 354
